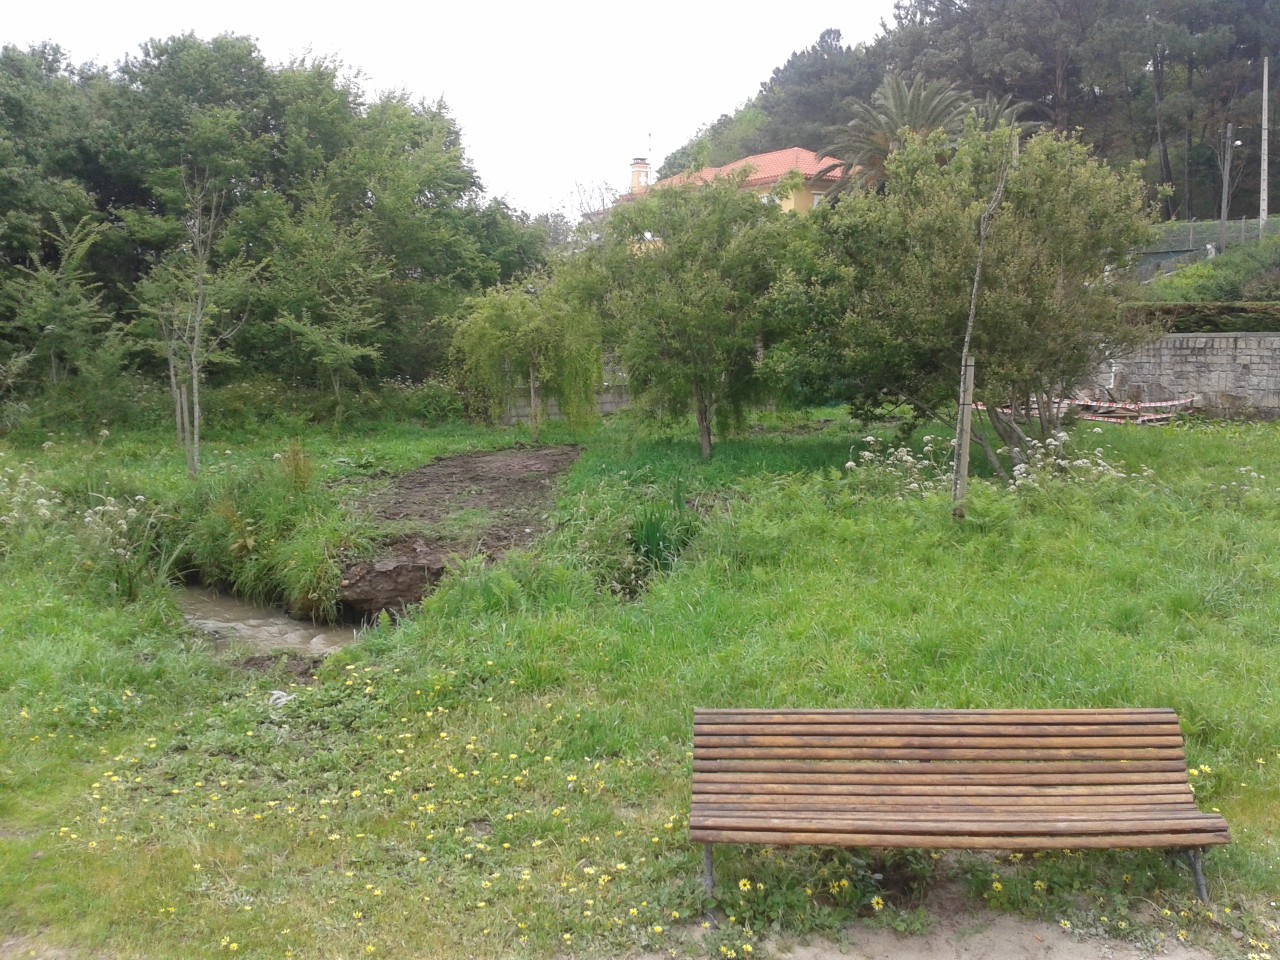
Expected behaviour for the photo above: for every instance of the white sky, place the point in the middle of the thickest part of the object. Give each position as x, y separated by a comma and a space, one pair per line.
554, 98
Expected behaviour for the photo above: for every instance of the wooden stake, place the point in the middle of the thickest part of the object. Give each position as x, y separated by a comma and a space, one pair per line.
960, 482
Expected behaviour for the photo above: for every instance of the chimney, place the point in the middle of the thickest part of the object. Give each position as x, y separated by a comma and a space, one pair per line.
639, 175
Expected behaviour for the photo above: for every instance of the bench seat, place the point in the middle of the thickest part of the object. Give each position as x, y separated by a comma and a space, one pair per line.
966, 779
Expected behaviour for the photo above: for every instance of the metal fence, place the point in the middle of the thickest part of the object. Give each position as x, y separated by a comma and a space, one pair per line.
1181, 243
1189, 236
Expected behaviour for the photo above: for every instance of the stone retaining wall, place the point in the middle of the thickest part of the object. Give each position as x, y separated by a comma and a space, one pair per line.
609, 400
1233, 374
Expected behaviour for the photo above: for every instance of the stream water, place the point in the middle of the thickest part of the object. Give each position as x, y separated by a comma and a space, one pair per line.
229, 621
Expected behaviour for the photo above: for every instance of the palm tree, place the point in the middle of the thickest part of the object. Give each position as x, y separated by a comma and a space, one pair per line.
994, 111
864, 144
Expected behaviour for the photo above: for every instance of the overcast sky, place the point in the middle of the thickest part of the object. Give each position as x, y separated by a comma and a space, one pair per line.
554, 98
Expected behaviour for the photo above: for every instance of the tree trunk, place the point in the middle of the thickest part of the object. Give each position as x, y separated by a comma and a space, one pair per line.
184, 422
1188, 205
175, 392
533, 405
992, 457
1010, 434
193, 447
702, 410
1166, 169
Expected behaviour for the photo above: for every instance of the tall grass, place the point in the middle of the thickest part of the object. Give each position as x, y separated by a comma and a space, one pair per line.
505, 772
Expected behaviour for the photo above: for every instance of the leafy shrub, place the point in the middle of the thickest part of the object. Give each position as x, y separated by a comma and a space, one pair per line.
624, 544
248, 404
109, 547
421, 402
659, 532
522, 583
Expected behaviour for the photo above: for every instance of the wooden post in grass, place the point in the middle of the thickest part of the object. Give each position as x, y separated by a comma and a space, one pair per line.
960, 482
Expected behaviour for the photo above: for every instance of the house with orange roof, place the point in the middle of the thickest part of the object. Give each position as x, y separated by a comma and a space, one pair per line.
762, 172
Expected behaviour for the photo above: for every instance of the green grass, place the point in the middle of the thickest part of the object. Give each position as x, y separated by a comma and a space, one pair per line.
509, 767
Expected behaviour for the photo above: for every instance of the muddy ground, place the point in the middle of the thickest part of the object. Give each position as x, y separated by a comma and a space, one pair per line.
479, 503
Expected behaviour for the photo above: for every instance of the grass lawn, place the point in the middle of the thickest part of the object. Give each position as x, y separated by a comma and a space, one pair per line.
506, 771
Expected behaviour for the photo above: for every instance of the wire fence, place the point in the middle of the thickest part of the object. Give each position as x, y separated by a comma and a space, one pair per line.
1181, 243
1190, 236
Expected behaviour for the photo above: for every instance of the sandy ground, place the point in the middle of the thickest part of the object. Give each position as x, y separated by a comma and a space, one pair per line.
984, 937
962, 935
961, 932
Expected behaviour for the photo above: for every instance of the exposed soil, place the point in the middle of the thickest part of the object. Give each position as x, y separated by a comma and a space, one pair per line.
301, 668
476, 504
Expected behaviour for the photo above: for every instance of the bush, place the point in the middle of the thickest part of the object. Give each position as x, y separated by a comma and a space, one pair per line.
247, 405
421, 402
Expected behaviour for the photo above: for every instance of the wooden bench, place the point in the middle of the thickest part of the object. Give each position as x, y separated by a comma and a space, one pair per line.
967, 779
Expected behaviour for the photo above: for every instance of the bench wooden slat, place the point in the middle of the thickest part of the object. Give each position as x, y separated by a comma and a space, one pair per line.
925, 753
1009, 741
984, 801
931, 769
1121, 766
993, 716
881, 728
942, 841
709, 777
888, 786
941, 821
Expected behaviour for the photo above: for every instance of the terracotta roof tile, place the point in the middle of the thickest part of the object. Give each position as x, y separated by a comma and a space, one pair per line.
766, 168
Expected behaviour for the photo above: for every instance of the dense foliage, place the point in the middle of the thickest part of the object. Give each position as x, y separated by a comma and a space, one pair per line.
360, 223
1150, 80
681, 271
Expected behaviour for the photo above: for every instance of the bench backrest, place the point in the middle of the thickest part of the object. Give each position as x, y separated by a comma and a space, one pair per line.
985, 751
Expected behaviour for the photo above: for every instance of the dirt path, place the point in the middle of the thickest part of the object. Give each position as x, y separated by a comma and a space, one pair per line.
479, 503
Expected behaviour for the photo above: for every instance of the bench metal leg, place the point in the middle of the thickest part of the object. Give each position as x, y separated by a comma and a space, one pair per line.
1194, 855
708, 872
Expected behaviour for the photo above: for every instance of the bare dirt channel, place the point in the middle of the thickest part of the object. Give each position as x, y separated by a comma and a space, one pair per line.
475, 504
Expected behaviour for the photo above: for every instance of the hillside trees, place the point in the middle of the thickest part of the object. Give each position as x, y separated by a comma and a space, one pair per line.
57, 312
1151, 80
323, 280
39, 115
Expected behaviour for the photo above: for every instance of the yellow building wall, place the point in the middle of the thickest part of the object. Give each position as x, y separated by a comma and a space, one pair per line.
801, 200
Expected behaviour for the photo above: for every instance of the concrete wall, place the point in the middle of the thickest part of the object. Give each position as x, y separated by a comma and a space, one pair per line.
1234, 374
609, 400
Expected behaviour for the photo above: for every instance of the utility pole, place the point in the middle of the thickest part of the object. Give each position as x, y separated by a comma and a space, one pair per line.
1226, 186
1266, 113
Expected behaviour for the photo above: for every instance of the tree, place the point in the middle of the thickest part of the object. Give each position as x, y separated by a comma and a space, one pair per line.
57, 311
189, 296
683, 268
1046, 312
324, 277
39, 117
878, 127
528, 333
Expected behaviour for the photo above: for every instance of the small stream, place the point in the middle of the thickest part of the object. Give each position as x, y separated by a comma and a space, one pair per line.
229, 622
